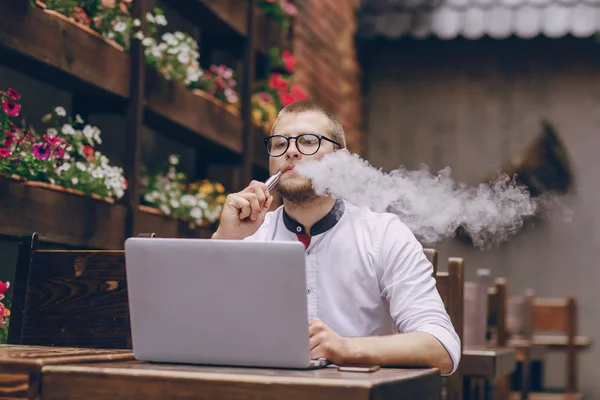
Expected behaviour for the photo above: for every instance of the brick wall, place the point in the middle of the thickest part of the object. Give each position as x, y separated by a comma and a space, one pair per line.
327, 66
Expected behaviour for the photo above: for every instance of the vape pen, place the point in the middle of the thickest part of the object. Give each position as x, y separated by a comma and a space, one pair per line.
272, 181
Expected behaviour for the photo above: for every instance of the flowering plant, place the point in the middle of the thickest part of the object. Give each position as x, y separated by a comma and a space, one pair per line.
278, 91
197, 204
174, 55
280, 11
22, 153
219, 81
109, 18
4, 312
82, 167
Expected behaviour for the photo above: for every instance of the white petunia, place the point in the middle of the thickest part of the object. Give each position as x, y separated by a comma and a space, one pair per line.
139, 35
51, 132
183, 58
80, 166
179, 35
150, 17
196, 213
120, 26
137, 22
60, 111
148, 41
67, 129
75, 180
161, 20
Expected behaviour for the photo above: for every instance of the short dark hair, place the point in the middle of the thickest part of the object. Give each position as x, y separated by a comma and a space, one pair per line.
336, 130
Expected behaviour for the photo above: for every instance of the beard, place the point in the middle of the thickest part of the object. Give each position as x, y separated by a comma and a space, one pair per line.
297, 191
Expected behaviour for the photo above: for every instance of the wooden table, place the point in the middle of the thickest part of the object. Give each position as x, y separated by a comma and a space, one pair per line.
140, 380
21, 366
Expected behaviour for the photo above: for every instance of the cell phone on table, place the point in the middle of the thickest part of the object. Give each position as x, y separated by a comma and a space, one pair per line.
358, 368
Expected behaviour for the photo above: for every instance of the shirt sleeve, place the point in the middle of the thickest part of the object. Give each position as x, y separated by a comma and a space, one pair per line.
409, 287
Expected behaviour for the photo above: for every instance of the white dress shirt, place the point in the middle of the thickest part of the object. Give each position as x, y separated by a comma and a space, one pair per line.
367, 275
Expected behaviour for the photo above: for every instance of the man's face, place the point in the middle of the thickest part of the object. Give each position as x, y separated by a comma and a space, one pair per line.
292, 186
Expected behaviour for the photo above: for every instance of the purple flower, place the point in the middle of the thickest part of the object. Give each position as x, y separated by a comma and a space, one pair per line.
41, 151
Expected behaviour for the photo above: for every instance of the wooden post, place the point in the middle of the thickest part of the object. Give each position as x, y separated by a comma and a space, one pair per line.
134, 124
246, 93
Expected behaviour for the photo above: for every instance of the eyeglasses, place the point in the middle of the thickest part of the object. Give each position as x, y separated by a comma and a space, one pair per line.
307, 144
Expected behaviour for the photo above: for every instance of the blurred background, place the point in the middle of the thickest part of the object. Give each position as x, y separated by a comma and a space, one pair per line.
180, 94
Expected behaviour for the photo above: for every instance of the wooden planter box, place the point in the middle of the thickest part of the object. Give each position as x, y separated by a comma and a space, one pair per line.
60, 215
152, 220
51, 42
205, 119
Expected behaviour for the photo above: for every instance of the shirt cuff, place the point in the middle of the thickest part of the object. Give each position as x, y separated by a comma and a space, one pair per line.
448, 339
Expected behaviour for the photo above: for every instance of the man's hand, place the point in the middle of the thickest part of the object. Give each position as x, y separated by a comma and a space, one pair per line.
324, 342
244, 212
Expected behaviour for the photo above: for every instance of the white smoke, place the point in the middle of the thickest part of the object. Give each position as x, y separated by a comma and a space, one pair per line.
432, 206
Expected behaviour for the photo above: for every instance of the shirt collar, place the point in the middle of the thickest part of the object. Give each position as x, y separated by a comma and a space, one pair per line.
323, 225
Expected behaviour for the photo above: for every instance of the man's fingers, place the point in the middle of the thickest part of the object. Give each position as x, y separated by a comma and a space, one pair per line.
255, 207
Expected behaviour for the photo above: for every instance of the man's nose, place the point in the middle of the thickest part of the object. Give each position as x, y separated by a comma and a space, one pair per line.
292, 151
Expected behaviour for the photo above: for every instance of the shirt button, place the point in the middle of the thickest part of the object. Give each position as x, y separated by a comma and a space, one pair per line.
299, 229
308, 291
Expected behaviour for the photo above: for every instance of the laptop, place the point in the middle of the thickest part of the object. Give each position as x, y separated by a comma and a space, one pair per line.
219, 302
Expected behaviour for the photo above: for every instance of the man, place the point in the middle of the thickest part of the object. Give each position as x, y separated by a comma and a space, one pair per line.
372, 299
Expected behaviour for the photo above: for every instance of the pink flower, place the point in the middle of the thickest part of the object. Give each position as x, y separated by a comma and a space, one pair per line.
298, 92
9, 139
286, 99
277, 82
289, 8
265, 97
59, 152
41, 151
289, 61
13, 94
11, 108
4, 153
108, 3
52, 140
4, 287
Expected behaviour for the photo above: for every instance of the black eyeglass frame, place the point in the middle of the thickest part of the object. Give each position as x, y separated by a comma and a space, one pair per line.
289, 140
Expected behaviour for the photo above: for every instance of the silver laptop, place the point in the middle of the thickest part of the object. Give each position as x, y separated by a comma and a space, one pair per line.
218, 302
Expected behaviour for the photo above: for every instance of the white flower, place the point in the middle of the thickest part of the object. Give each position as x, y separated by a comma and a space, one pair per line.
78, 119
88, 131
231, 95
173, 159
52, 181
156, 51
60, 111
119, 193
188, 200
148, 41
80, 166
64, 167
179, 35
67, 129
164, 208
120, 26
47, 118
97, 173
111, 35
67, 157
137, 22
150, 17
196, 213
174, 203
139, 35
51, 132
183, 58
161, 20
75, 180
